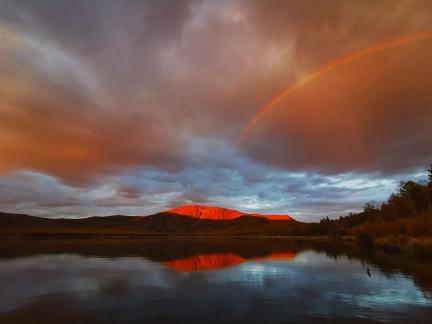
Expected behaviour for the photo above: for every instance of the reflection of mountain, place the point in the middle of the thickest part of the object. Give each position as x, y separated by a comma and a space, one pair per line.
205, 262
221, 260
166, 249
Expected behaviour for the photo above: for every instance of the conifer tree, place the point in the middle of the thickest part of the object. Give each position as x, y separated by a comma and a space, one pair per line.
430, 175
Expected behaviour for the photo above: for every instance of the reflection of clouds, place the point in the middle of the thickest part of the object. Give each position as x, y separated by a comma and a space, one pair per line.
130, 287
256, 273
391, 295
70, 274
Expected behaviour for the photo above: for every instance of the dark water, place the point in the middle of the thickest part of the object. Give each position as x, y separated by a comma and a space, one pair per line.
205, 281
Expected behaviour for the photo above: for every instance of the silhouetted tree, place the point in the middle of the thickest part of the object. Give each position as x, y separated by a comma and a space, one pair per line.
430, 175
429, 187
414, 195
370, 207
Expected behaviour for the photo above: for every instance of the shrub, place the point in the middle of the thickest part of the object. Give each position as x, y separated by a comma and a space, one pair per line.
365, 240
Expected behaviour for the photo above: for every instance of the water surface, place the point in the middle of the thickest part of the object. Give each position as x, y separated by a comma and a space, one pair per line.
217, 280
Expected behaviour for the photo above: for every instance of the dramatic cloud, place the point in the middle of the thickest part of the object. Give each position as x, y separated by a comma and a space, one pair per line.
132, 106
370, 116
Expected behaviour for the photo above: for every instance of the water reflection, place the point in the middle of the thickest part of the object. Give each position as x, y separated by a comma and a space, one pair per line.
197, 280
205, 262
212, 261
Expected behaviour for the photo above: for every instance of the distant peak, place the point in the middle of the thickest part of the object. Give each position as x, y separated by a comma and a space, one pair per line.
206, 212
218, 213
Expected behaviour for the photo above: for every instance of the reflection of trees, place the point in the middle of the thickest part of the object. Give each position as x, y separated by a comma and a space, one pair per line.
174, 249
389, 264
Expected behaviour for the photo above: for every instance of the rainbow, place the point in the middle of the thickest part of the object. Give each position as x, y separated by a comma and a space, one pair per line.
324, 69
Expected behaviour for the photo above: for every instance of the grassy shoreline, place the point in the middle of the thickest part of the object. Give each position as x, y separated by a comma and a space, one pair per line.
416, 247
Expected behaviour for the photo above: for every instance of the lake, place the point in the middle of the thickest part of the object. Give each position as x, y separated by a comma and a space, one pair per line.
163, 280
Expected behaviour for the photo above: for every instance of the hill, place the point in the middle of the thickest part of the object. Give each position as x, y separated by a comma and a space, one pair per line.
218, 213
185, 220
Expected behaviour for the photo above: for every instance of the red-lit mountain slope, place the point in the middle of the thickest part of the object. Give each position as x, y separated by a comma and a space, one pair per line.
218, 213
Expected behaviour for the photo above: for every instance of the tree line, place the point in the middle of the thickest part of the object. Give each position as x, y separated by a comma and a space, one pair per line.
408, 210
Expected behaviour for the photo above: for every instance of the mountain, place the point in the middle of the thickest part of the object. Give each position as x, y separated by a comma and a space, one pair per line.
184, 220
218, 213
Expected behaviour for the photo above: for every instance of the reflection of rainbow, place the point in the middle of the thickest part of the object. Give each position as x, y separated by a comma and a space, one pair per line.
325, 69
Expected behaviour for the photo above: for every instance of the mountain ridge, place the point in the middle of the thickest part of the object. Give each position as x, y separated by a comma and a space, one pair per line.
184, 220
219, 213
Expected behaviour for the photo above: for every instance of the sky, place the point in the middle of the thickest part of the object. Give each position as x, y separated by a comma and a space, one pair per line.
132, 107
